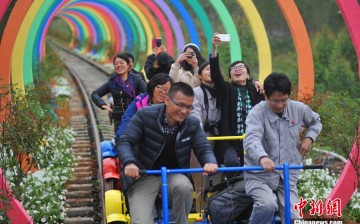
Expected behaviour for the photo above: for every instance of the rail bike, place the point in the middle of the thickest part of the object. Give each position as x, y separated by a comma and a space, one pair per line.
115, 206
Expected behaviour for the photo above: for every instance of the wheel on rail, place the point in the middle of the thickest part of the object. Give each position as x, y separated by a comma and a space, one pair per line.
115, 207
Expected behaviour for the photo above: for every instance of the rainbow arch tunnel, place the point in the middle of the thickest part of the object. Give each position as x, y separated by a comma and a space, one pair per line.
130, 26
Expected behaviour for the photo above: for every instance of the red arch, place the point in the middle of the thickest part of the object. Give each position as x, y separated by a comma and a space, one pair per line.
9, 36
350, 9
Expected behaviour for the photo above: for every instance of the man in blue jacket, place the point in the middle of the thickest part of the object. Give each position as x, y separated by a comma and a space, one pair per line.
157, 136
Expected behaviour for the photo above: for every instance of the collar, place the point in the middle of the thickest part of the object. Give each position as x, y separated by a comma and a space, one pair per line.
273, 117
166, 121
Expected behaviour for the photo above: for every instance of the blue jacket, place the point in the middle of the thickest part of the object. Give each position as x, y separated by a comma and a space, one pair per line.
144, 140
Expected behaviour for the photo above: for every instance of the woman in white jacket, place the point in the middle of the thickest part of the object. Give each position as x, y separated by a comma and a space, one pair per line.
185, 68
208, 112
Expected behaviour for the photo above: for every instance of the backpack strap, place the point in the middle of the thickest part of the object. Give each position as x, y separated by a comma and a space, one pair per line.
206, 101
142, 102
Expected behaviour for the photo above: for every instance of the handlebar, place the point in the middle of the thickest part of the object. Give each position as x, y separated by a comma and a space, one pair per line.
229, 169
285, 167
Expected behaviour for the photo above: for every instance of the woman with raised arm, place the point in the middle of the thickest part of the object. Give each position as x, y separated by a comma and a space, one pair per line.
237, 97
158, 62
186, 67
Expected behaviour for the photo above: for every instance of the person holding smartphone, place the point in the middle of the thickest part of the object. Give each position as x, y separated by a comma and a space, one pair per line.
238, 97
159, 61
186, 67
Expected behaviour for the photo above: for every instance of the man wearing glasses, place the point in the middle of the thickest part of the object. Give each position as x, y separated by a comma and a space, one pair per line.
163, 135
273, 130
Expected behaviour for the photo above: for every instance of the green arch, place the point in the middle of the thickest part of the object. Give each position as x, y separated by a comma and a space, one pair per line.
31, 41
228, 23
204, 20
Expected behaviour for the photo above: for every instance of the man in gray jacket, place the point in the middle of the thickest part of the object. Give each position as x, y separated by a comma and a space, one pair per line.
273, 130
157, 136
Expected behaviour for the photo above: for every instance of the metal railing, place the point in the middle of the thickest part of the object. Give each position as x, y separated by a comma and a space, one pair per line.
285, 167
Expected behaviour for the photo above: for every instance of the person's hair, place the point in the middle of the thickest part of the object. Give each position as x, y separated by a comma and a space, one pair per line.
237, 62
184, 64
122, 56
202, 66
183, 87
159, 79
164, 60
277, 82
129, 55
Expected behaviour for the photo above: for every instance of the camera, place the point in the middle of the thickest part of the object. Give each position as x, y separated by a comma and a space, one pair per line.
213, 127
192, 54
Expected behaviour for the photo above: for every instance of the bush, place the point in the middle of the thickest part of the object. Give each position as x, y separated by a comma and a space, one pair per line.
35, 153
42, 192
339, 114
317, 185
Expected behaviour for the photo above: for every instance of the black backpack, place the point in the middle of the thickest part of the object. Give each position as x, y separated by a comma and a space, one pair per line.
229, 202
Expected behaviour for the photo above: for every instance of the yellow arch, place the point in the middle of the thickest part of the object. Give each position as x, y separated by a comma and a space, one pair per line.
145, 23
19, 47
261, 38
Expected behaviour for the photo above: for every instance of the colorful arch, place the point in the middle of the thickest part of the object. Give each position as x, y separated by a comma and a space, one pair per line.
20, 46
302, 46
261, 39
230, 28
130, 25
350, 9
8, 39
174, 22
164, 24
190, 26
204, 20
3, 7
125, 24
349, 179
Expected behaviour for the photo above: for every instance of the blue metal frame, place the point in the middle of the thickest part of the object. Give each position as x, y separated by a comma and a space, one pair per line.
164, 185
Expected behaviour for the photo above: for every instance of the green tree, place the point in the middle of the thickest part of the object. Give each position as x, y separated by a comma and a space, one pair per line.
334, 67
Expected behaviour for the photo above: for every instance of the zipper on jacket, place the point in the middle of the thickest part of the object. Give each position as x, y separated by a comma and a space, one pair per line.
163, 145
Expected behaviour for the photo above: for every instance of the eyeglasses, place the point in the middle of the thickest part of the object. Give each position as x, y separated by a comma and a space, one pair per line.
238, 68
181, 105
283, 101
162, 89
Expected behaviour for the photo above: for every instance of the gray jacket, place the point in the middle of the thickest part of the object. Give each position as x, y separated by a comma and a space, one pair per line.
278, 138
144, 140
199, 110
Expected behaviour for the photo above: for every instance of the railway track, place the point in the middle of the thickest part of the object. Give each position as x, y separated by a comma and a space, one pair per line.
91, 125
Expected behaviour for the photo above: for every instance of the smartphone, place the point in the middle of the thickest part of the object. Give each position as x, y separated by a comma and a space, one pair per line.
224, 37
156, 42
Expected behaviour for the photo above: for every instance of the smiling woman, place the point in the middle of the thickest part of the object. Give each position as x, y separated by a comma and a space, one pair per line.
123, 86
157, 89
237, 99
